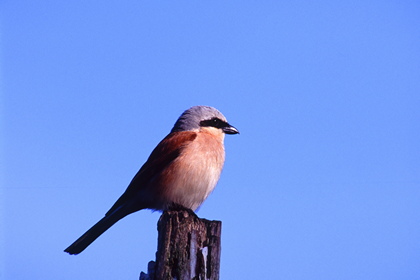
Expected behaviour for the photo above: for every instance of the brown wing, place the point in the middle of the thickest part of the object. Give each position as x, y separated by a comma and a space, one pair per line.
164, 153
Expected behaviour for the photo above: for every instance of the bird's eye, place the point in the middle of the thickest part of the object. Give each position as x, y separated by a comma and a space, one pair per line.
214, 122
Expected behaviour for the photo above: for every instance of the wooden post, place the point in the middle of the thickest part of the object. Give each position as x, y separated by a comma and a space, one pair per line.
188, 248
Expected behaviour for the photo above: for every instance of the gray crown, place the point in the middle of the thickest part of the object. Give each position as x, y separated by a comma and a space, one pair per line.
191, 118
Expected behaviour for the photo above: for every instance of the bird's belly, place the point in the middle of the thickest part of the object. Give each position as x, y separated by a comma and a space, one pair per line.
193, 177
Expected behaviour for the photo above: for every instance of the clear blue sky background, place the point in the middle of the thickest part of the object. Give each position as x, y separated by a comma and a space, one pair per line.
322, 183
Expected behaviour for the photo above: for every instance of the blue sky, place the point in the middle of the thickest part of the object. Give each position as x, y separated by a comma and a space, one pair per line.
322, 183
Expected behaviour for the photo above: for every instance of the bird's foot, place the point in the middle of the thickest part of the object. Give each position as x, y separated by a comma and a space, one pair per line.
178, 207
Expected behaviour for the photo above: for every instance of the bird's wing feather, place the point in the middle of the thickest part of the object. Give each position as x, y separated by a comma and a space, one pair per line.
160, 158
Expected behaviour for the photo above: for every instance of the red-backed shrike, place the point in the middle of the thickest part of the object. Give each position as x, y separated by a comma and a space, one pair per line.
181, 171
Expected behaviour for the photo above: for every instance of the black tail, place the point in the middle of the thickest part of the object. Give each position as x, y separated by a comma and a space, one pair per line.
94, 232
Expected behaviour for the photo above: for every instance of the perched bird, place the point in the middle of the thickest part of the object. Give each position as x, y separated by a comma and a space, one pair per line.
180, 172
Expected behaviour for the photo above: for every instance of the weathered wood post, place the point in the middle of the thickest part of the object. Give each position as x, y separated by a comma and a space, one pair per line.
188, 248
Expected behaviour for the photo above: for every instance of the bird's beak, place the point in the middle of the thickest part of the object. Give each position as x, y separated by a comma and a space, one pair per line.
230, 129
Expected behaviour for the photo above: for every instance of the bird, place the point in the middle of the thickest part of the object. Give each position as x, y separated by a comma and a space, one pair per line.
180, 173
